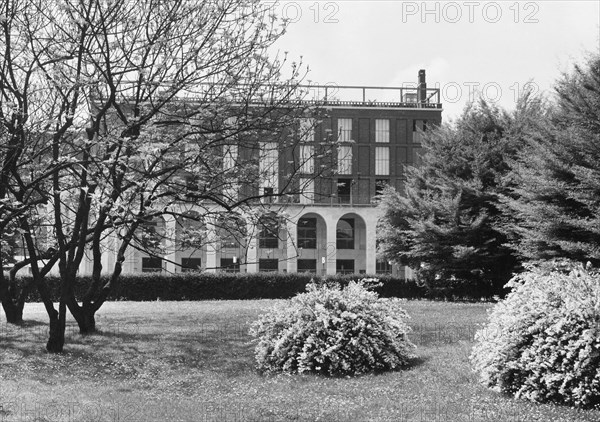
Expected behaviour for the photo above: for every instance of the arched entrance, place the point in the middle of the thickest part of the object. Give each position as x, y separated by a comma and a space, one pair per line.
191, 242
311, 244
351, 244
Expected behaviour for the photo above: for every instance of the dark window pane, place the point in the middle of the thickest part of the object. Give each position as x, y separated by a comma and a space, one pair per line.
232, 232
151, 265
345, 234
307, 233
229, 266
268, 265
307, 265
268, 236
344, 266
383, 267
344, 187
191, 264
380, 185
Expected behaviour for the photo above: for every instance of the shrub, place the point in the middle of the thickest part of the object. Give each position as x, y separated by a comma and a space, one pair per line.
332, 330
542, 342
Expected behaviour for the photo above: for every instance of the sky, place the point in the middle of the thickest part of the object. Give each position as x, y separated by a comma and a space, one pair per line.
468, 48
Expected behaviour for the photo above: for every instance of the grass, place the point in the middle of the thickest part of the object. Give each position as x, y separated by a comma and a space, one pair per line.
191, 361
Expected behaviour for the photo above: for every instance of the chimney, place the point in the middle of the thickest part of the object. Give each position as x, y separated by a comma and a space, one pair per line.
422, 86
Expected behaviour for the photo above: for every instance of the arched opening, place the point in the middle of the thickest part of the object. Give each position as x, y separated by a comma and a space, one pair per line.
191, 240
350, 244
271, 236
231, 250
311, 245
150, 244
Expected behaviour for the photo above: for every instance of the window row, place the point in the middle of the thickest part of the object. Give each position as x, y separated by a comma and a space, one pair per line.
343, 266
232, 265
382, 130
382, 160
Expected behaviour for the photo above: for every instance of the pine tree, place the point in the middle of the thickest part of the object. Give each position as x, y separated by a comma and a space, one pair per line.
445, 226
556, 196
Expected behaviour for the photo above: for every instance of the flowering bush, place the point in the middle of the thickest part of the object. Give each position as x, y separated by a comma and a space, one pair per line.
333, 330
542, 342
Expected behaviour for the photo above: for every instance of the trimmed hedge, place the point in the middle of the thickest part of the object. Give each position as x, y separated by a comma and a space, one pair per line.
234, 286
226, 286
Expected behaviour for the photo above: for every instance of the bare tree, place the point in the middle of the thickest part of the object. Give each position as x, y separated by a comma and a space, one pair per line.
133, 107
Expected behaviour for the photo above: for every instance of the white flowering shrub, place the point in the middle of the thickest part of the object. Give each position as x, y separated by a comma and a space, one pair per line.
333, 331
542, 342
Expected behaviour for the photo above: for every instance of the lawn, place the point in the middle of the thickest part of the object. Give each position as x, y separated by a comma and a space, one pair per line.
191, 361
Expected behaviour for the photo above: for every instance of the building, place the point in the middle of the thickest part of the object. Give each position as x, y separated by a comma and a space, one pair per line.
332, 226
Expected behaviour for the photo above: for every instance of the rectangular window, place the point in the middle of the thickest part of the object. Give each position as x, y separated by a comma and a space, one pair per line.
191, 265
268, 236
307, 161
344, 130
307, 233
345, 233
380, 185
307, 130
230, 156
268, 165
151, 265
229, 241
231, 232
344, 159
268, 265
344, 266
382, 130
229, 266
307, 266
344, 190
268, 197
383, 267
307, 191
382, 161
419, 126
151, 237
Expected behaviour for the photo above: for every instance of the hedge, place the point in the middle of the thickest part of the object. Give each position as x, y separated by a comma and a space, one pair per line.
235, 286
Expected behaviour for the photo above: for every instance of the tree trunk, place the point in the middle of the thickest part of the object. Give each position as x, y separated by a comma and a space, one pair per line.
13, 312
84, 315
56, 341
13, 308
89, 319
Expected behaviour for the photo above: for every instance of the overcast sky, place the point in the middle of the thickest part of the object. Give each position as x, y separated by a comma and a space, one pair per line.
497, 46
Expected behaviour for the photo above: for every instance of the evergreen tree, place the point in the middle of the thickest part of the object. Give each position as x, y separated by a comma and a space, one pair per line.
555, 200
445, 225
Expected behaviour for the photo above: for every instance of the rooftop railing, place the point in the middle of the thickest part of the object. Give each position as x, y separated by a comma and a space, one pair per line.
373, 96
